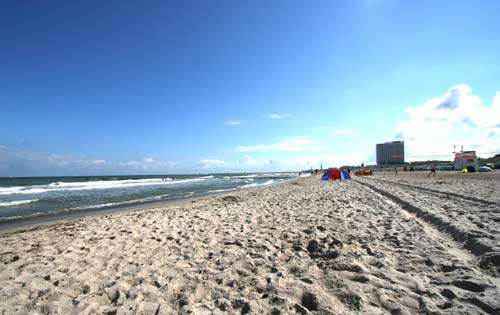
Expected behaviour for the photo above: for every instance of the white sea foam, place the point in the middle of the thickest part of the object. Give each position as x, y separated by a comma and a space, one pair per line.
103, 184
16, 202
283, 174
269, 182
242, 179
220, 190
245, 176
14, 217
10, 190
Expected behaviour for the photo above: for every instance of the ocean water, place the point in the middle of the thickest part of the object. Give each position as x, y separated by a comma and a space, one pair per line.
34, 196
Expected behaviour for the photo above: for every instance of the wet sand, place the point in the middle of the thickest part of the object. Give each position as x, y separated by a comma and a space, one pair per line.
384, 244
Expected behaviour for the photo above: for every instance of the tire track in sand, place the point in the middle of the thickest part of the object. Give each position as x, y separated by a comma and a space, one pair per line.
464, 272
473, 229
447, 194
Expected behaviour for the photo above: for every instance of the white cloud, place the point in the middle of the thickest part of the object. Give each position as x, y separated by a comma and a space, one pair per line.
250, 164
293, 144
19, 161
233, 122
279, 116
343, 132
212, 164
328, 160
457, 117
130, 163
147, 164
248, 161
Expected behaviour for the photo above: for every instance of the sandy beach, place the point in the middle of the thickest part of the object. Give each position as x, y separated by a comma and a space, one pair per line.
400, 244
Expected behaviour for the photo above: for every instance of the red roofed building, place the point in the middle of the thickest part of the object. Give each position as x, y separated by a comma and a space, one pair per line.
464, 159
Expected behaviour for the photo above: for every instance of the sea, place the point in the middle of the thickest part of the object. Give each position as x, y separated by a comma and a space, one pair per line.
25, 197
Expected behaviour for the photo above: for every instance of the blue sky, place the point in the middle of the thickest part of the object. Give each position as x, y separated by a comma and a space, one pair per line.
123, 87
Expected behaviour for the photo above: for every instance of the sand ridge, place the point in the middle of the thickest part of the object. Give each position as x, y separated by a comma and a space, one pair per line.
304, 246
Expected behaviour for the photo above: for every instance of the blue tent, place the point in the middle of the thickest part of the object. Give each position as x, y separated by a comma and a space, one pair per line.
344, 175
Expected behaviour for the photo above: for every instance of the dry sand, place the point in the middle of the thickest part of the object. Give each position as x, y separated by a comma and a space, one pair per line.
386, 244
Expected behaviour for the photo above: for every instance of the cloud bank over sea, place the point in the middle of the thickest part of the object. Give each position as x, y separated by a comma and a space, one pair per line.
458, 117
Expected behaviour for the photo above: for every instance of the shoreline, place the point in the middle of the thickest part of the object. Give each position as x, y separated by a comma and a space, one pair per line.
32, 222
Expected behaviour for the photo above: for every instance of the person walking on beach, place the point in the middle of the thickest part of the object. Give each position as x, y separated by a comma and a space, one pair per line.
433, 170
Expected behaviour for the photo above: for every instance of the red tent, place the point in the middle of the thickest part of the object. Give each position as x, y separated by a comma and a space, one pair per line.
331, 174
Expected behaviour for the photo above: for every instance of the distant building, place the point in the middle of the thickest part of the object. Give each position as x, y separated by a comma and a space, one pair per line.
391, 153
464, 159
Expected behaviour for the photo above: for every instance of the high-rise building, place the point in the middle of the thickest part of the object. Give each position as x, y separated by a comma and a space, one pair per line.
391, 153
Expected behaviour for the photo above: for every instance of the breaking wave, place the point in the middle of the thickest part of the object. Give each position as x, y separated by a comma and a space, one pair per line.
269, 182
101, 184
16, 202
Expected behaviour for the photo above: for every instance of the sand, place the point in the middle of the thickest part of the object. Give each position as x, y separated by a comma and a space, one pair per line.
400, 244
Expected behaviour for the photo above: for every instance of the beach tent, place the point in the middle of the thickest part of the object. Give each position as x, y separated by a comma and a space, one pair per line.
344, 174
334, 173
331, 174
